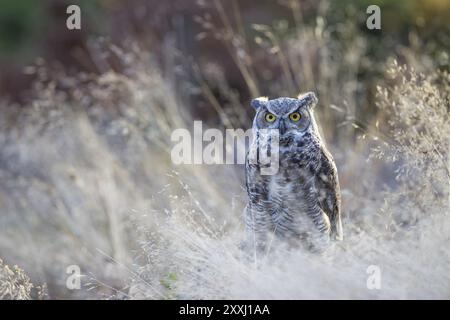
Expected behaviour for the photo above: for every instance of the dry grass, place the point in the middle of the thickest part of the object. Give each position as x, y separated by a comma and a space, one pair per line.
16, 285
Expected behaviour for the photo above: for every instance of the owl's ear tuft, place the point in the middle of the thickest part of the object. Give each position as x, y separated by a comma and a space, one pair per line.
259, 102
308, 99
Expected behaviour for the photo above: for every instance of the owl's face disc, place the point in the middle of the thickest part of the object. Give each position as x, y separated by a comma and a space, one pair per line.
289, 116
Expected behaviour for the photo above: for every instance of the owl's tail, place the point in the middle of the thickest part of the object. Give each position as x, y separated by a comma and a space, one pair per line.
337, 233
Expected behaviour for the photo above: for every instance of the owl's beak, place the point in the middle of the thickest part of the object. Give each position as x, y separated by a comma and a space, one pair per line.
282, 127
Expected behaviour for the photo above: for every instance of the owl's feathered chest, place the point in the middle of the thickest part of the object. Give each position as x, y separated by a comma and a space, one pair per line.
299, 155
297, 169
298, 161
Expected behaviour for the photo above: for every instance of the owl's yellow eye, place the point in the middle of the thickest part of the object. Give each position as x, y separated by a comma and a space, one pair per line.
270, 117
295, 116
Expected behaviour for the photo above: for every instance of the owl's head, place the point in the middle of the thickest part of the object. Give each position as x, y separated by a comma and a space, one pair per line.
290, 116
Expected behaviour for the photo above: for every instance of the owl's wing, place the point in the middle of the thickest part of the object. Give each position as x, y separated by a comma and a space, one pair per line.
329, 193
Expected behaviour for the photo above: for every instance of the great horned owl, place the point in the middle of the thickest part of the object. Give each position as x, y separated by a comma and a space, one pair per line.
302, 200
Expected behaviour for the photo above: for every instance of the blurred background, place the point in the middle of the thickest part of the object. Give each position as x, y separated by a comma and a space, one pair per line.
31, 29
86, 117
